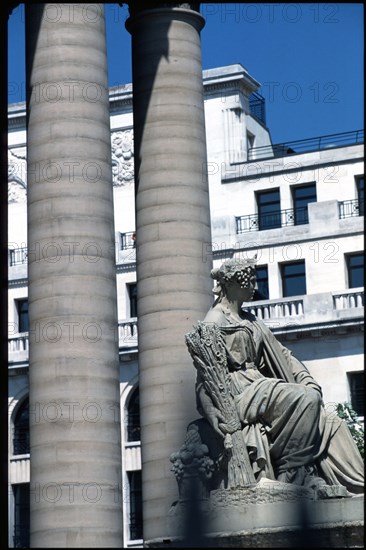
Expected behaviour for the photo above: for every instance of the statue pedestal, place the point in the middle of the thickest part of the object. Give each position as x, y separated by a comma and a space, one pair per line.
269, 514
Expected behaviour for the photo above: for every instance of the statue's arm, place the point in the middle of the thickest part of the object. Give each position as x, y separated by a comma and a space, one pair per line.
298, 369
206, 408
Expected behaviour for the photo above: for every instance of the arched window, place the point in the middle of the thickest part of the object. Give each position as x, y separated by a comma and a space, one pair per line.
21, 429
133, 417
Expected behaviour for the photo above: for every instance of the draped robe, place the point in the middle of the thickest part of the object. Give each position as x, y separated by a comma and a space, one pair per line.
286, 427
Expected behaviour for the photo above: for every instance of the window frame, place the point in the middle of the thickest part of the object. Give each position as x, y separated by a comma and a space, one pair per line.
360, 191
276, 212
359, 391
257, 295
285, 265
21, 533
133, 417
131, 288
22, 316
348, 258
21, 429
135, 504
303, 218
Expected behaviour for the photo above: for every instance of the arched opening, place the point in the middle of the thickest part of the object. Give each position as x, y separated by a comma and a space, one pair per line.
21, 429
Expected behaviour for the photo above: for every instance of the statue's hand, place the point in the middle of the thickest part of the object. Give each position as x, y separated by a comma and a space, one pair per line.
211, 413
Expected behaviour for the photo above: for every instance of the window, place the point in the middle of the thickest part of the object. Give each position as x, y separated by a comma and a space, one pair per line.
302, 196
261, 293
360, 195
132, 294
22, 309
21, 515
355, 266
135, 482
293, 279
269, 209
21, 429
133, 417
356, 386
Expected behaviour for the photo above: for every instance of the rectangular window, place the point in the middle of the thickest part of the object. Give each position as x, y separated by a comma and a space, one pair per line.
135, 482
132, 294
269, 209
261, 293
355, 267
302, 196
356, 382
21, 515
293, 279
360, 195
22, 310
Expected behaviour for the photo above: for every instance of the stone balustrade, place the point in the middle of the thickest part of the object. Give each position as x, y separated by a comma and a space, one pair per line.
127, 333
276, 309
278, 312
349, 299
19, 471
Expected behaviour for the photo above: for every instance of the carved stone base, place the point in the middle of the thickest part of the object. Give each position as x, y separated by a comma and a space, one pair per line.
267, 491
270, 514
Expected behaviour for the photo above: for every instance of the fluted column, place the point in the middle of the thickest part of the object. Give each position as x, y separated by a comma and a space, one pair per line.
74, 379
173, 235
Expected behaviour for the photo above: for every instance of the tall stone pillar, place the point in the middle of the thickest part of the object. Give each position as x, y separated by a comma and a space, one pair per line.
75, 477
173, 235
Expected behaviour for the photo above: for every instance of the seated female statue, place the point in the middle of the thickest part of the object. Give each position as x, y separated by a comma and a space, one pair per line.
289, 434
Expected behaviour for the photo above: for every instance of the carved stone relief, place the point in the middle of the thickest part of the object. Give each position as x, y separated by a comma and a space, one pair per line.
122, 157
17, 175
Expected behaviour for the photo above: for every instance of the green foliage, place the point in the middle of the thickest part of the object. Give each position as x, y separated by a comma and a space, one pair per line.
347, 413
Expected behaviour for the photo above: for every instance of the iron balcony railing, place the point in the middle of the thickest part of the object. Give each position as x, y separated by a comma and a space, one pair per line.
128, 240
18, 256
330, 141
272, 220
257, 105
135, 526
349, 209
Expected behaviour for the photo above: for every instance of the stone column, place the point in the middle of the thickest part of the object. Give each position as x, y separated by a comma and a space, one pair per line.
73, 373
173, 235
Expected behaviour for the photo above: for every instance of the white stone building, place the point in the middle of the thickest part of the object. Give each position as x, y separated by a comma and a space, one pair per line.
299, 206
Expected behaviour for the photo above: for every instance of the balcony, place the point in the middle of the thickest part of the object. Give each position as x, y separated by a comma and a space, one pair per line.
128, 240
18, 256
18, 345
257, 105
349, 209
272, 220
311, 312
269, 310
293, 313
331, 141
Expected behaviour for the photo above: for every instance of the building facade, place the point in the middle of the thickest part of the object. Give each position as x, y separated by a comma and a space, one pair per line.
298, 206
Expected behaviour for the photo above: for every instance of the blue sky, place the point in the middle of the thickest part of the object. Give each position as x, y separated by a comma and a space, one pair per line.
307, 57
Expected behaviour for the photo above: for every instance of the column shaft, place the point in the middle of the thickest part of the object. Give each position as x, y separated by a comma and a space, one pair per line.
173, 237
73, 373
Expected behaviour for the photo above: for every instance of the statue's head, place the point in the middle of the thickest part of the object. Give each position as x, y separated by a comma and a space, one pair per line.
236, 270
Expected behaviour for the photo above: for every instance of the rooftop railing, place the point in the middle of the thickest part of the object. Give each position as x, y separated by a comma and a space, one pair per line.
257, 106
330, 141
